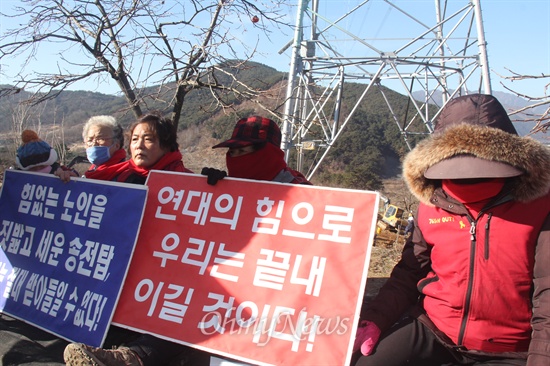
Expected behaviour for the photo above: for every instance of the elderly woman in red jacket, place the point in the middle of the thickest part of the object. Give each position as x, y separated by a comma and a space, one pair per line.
103, 137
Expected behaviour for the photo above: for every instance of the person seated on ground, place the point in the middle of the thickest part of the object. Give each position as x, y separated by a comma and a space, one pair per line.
153, 145
254, 153
36, 155
103, 138
258, 137
473, 283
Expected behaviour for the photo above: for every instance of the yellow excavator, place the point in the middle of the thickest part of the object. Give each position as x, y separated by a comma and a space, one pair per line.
391, 217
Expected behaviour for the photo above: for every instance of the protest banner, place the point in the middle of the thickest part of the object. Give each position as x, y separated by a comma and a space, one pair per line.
261, 272
65, 250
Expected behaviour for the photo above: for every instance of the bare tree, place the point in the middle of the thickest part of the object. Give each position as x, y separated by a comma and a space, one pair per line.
538, 111
20, 114
174, 45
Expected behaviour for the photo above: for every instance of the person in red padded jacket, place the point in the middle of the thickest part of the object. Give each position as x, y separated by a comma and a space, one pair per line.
473, 284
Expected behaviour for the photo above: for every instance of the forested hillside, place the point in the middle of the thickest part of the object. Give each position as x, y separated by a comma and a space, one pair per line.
74, 107
371, 146
368, 151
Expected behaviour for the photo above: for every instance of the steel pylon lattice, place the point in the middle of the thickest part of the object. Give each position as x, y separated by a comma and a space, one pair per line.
427, 52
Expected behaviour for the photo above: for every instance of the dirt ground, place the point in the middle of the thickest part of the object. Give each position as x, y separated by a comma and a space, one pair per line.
388, 245
386, 252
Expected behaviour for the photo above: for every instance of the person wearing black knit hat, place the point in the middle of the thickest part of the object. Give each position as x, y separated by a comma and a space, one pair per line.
473, 283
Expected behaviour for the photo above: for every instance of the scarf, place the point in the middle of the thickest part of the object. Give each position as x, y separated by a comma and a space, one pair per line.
122, 171
263, 164
100, 171
170, 161
474, 195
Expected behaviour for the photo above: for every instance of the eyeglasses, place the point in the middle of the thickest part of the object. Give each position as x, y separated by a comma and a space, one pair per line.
97, 141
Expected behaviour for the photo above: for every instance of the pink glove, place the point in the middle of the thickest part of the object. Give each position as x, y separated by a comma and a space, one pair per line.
366, 337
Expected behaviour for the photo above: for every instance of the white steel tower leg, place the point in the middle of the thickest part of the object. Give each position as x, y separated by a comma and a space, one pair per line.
378, 46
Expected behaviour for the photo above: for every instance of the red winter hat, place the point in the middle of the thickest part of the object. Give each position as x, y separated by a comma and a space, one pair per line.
251, 131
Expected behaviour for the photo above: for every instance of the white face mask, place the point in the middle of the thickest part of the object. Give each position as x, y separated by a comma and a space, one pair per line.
45, 170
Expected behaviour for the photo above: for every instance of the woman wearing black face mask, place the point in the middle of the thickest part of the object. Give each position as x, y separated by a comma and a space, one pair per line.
104, 140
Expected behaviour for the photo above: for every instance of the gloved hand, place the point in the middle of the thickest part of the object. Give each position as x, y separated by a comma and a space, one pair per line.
366, 338
214, 175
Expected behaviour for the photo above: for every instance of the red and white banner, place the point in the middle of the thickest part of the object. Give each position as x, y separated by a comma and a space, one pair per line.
262, 272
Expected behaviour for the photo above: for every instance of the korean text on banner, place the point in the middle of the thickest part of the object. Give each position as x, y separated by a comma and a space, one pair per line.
63, 254
262, 272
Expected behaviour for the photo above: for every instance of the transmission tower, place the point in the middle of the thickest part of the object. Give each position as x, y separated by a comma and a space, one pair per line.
428, 52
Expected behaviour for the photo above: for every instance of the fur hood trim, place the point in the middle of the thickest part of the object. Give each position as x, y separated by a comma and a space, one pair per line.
487, 143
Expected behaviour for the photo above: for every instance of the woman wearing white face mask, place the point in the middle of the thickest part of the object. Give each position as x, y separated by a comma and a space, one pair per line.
104, 140
36, 155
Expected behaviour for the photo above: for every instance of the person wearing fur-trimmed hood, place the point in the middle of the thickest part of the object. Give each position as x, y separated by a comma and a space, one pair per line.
475, 270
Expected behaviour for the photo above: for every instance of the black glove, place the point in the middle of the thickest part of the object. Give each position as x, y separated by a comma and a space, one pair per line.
214, 175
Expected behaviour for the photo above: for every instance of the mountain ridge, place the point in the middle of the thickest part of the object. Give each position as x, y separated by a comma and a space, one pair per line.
368, 151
